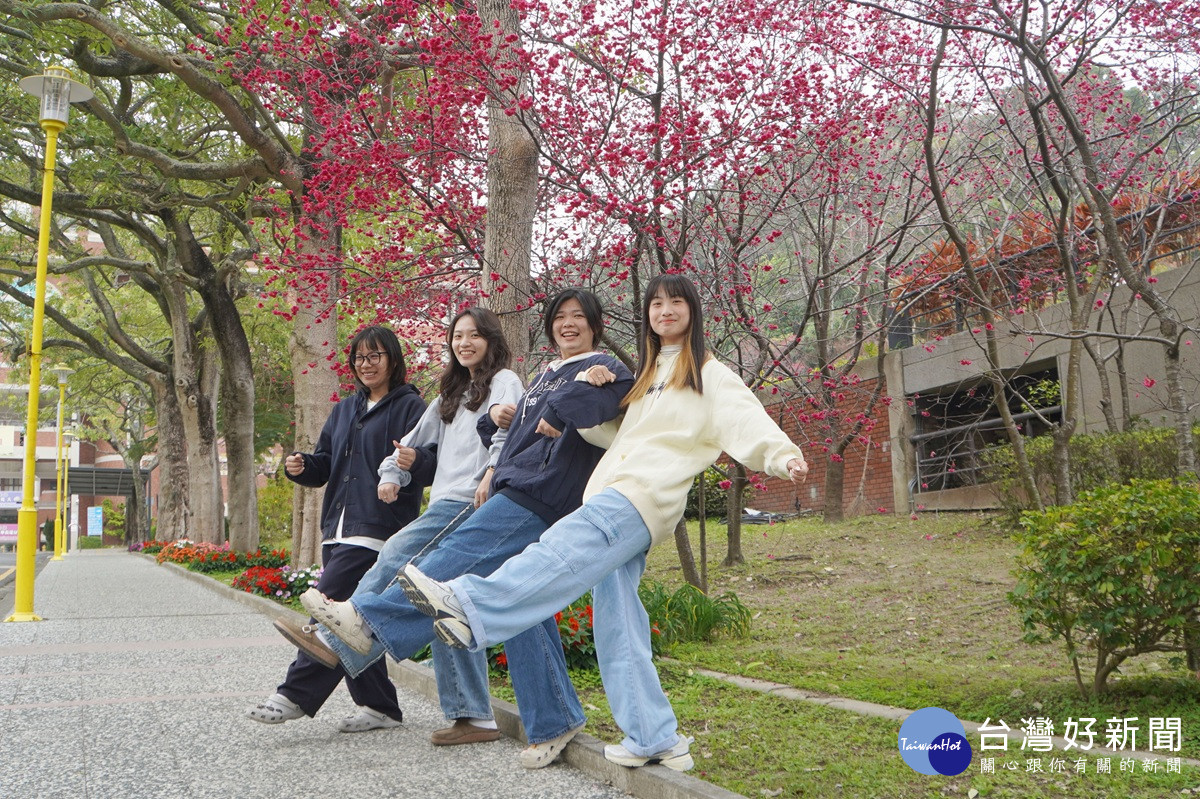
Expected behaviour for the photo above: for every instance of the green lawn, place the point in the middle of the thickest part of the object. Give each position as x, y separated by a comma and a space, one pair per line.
900, 612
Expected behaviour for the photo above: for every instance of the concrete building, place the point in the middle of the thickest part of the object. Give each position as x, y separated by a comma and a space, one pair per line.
924, 450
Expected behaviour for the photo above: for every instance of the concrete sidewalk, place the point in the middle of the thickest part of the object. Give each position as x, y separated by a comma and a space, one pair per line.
137, 682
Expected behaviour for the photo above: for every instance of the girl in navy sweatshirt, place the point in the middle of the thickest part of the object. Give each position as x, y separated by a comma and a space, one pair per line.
354, 522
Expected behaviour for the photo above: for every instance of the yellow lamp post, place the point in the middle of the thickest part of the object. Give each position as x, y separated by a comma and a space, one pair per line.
57, 90
62, 372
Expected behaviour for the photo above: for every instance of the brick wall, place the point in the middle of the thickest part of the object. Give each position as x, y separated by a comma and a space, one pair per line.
868, 473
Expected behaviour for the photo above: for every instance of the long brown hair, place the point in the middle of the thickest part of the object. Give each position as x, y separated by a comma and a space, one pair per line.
686, 373
458, 385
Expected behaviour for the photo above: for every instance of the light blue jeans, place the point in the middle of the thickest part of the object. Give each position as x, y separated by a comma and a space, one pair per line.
462, 677
495, 532
601, 545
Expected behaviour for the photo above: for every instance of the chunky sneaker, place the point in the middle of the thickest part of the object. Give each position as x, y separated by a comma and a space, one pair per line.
367, 719
677, 758
428, 595
340, 618
275, 709
454, 632
545, 753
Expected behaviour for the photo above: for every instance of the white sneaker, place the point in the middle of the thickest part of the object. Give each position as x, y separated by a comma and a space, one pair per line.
545, 753
340, 618
367, 719
677, 758
275, 709
428, 595
454, 632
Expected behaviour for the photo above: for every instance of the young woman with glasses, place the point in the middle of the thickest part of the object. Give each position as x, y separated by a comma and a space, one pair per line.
355, 523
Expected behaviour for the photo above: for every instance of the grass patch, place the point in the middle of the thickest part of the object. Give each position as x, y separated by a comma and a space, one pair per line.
910, 613
760, 745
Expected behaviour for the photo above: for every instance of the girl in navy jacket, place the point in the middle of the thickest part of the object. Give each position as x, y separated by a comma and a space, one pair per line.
354, 521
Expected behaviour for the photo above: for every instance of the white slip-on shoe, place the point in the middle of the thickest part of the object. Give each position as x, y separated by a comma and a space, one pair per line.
545, 753
677, 758
367, 719
275, 709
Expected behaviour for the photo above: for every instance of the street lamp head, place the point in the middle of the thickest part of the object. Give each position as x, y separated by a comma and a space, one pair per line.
62, 372
57, 89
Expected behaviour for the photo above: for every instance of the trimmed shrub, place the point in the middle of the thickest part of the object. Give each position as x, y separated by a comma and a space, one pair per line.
1114, 575
1097, 460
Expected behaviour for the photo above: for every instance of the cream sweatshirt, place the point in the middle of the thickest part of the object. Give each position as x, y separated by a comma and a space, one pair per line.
670, 435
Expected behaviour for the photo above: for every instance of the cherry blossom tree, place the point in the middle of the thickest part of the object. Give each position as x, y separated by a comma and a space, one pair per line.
1070, 178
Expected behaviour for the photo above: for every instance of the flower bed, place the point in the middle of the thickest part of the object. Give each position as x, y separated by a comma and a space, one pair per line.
204, 557
278, 583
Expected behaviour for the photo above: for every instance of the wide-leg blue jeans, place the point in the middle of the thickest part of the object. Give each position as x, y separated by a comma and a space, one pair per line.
495, 532
603, 544
462, 677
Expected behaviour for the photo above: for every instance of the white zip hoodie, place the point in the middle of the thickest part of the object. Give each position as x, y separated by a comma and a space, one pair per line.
669, 436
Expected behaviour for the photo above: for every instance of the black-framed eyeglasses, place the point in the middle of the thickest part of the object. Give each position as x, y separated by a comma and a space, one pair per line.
371, 358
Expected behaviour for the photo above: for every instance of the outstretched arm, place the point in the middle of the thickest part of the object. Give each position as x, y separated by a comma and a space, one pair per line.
749, 434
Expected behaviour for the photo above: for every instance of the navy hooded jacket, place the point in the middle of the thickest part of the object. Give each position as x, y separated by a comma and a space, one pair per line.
547, 475
352, 443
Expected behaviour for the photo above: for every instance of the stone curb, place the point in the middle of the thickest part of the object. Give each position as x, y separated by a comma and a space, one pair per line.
585, 752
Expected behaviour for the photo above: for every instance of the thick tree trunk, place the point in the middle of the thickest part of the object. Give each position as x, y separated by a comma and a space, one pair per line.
237, 397
196, 379
237, 385
314, 334
135, 526
196, 389
174, 515
512, 173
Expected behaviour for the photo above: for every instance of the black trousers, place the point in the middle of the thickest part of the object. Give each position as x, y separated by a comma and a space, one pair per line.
309, 683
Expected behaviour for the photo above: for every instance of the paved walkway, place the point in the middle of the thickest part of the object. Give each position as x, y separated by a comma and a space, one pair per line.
136, 683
